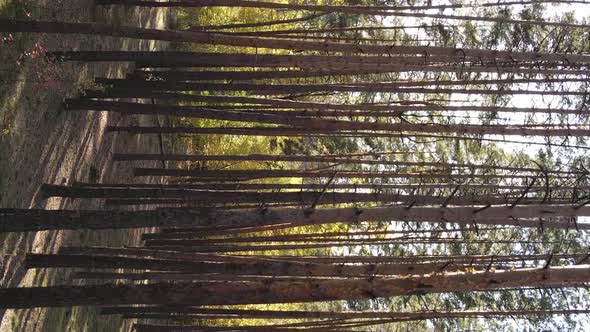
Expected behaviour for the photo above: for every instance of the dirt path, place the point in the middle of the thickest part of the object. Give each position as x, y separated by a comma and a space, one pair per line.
42, 143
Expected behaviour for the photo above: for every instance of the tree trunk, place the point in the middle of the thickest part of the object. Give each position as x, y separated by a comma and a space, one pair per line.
373, 86
345, 29
184, 245
196, 313
324, 242
251, 174
323, 124
397, 11
204, 75
281, 89
286, 237
139, 195
282, 131
207, 328
268, 268
20, 220
200, 59
291, 104
7, 25
579, 258
274, 103
416, 187
322, 158
225, 293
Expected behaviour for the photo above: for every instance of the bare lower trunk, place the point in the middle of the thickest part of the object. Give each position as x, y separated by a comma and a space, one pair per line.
136, 196
281, 89
513, 189
19, 220
275, 43
320, 159
202, 75
326, 124
303, 132
323, 235
221, 293
229, 248
397, 11
191, 268
251, 174
188, 313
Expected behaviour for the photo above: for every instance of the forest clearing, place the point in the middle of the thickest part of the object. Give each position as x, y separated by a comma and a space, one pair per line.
257, 165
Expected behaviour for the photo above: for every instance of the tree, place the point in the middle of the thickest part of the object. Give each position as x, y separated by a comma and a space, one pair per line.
284, 292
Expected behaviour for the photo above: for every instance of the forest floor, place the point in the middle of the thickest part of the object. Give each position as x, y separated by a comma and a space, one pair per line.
42, 143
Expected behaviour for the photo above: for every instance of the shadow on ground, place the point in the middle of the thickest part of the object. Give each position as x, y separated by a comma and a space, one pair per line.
42, 143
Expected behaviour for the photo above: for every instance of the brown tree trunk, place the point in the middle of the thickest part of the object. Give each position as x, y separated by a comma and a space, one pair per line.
345, 29
268, 268
195, 313
199, 59
184, 246
206, 328
417, 187
251, 174
324, 242
7, 25
19, 220
245, 75
302, 132
222, 293
372, 86
274, 103
579, 258
323, 124
321, 158
397, 11
286, 237
281, 89
138, 195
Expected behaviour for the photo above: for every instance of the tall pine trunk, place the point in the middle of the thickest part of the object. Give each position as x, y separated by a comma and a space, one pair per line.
214, 293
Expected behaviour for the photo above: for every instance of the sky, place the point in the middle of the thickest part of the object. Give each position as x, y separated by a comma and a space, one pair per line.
581, 11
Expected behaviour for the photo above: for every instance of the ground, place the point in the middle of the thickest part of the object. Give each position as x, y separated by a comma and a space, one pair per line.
42, 143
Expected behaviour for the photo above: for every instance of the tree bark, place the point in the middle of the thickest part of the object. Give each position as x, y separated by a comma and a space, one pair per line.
345, 29
224, 293
512, 189
579, 258
397, 11
139, 196
7, 25
376, 86
322, 158
251, 174
244, 75
19, 220
185, 245
206, 328
283, 131
287, 237
268, 268
281, 89
188, 313
200, 59
274, 103
323, 124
